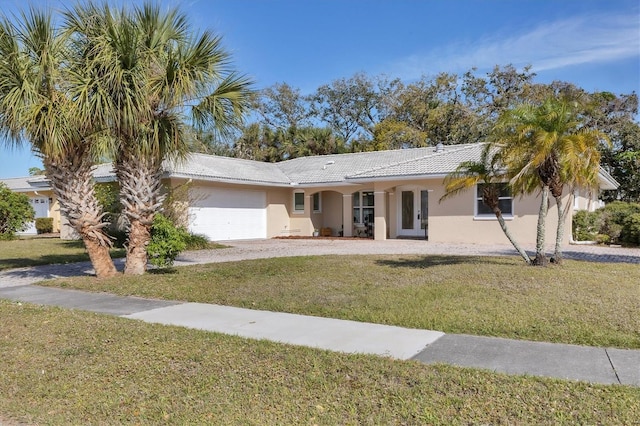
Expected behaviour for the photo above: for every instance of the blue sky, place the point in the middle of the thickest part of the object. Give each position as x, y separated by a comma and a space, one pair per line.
594, 44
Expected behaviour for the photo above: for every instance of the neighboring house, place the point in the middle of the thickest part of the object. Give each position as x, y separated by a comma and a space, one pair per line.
382, 194
41, 197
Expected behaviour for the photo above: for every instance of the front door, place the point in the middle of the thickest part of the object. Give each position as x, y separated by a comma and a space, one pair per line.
413, 209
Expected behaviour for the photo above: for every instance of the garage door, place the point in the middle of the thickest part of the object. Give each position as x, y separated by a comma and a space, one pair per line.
225, 214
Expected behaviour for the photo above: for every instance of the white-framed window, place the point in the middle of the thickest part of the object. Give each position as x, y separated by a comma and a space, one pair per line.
298, 202
505, 202
317, 203
363, 207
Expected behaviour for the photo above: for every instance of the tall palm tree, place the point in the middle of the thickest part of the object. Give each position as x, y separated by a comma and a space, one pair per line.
151, 71
487, 174
548, 148
35, 106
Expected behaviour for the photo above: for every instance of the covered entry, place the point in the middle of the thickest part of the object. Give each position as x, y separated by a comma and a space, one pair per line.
413, 212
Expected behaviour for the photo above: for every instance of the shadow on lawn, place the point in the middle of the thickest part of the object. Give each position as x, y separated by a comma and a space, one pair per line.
440, 260
55, 258
163, 271
48, 259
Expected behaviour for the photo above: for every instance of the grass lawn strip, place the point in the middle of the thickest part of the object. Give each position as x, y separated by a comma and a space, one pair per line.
585, 303
25, 252
71, 367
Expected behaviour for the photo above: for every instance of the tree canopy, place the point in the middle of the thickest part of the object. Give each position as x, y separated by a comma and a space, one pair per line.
370, 113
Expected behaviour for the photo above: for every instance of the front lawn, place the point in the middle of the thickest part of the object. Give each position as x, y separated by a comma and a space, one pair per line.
64, 367
25, 252
585, 303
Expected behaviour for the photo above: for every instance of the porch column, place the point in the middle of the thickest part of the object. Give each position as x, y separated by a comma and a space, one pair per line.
308, 208
380, 215
347, 215
393, 214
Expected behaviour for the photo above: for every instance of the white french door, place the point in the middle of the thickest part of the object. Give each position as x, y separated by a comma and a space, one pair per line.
413, 212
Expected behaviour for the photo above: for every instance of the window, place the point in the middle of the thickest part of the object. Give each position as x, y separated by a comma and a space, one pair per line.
298, 202
363, 207
505, 201
317, 205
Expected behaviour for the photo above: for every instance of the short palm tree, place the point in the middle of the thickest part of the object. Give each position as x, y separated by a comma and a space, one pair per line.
546, 147
151, 71
468, 175
35, 106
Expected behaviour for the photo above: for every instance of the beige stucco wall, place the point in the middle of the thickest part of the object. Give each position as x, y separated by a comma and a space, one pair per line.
451, 220
299, 222
279, 204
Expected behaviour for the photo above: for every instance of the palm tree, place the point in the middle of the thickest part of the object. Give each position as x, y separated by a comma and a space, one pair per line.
35, 106
548, 148
151, 70
486, 175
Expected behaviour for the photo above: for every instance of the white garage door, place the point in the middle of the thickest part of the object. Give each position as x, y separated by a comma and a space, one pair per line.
225, 214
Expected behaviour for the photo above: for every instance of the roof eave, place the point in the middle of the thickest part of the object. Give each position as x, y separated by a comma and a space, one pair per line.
607, 182
397, 177
225, 180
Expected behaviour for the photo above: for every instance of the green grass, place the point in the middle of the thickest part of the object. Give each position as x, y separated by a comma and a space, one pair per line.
26, 252
70, 367
586, 303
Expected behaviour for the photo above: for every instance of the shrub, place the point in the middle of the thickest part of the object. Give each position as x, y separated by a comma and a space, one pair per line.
167, 241
615, 223
108, 195
44, 225
585, 225
613, 217
631, 229
15, 212
7, 237
197, 242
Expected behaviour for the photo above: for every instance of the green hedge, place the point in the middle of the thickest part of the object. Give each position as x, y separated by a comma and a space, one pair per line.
44, 225
615, 223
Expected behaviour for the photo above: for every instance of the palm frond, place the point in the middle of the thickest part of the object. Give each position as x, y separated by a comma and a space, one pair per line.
224, 108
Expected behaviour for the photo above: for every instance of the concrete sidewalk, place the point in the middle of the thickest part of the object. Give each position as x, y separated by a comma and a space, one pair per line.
596, 365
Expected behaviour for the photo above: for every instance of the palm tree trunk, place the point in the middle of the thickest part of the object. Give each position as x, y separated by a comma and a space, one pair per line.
541, 257
512, 240
140, 194
557, 256
139, 237
72, 182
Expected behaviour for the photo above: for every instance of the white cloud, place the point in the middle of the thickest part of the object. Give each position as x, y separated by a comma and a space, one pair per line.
550, 46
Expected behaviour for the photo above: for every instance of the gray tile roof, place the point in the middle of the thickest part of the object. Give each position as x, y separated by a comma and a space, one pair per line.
26, 184
317, 170
327, 169
338, 168
321, 169
215, 168
430, 163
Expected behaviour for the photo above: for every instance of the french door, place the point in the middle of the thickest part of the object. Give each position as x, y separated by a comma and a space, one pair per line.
413, 212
